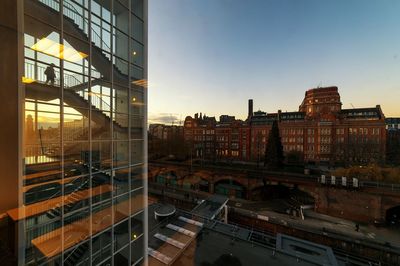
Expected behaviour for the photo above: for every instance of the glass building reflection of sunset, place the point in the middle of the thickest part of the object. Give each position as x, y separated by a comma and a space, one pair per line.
82, 102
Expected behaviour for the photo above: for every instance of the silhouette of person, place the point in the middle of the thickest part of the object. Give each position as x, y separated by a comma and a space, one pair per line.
50, 74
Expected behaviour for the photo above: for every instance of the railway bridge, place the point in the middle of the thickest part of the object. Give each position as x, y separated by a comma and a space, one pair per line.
366, 202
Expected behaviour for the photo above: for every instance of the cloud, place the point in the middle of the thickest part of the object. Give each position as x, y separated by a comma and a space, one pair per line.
164, 118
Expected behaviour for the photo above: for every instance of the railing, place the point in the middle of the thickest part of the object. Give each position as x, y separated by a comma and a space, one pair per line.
98, 101
35, 153
83, 23
380, 185
37, 73
58, 193
43, 232
70, 11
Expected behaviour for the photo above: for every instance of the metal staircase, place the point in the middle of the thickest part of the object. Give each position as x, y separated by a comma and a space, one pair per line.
75, 23
76, 256
44, 92
76, 95
76, 196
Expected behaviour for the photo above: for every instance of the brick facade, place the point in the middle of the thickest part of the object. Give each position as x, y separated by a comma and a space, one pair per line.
321, 132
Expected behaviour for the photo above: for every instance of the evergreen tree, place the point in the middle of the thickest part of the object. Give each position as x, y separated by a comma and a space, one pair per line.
274, 149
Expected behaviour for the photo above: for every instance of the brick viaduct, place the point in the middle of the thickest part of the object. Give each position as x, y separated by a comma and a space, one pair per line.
362, 204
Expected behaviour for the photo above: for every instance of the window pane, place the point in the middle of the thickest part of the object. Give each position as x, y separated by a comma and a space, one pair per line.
121, 235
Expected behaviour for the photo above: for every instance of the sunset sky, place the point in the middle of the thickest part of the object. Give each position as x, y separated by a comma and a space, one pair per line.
211, 56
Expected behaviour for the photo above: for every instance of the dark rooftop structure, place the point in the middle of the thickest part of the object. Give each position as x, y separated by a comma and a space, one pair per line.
307, 251
226, 118
362, 113
210, 207
190, 238
392, 123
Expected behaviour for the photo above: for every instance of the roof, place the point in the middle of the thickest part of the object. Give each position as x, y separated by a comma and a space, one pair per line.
292, 116
392, 120
187, 239
322, 89
263, 118
362, 113
210, 207
306, 250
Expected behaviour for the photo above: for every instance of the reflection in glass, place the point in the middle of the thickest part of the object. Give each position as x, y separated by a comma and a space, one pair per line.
121, 234
101, 155
137, 149
122, 257
101, 246
121, 154
121, 181
80, 115
137, 177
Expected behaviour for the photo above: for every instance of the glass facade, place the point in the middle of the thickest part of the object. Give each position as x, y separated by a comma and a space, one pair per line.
84, 133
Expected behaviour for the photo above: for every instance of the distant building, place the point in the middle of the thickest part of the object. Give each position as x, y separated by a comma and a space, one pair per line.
164, 132
226, 118
321, 131
393, 140
199, 132
392, 123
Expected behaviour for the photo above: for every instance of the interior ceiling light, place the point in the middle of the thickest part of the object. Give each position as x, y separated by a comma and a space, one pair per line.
55, 49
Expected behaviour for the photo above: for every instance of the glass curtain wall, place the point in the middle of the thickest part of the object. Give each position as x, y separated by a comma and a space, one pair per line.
84, 132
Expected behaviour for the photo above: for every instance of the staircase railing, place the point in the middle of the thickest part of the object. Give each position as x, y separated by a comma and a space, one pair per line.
69, 196
36, 72
36, 153
83, 23
58, 193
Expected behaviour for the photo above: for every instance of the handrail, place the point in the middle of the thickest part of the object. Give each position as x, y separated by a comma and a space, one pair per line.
69, 195
73, 192
70, 11
98, 101
37, 73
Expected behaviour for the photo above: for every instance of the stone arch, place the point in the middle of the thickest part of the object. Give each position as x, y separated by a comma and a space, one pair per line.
280, 190
230, 187
392, 216
242, 181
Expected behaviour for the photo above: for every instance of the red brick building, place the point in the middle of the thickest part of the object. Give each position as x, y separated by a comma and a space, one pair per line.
320, 131
199, 134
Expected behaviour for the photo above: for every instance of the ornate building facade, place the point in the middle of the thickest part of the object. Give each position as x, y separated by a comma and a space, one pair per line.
319, 132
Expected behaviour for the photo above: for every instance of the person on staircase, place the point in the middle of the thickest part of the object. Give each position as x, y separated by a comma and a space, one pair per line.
50, 74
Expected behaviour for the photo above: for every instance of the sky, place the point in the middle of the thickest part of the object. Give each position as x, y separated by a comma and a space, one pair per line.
211, 56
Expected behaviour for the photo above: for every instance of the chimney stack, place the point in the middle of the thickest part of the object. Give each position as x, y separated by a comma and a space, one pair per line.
250, 108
